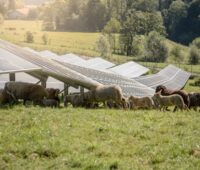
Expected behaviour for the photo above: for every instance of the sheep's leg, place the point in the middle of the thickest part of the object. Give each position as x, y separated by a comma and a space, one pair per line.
175, 108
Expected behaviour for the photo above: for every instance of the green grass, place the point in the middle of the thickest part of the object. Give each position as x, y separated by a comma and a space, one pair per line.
41, 138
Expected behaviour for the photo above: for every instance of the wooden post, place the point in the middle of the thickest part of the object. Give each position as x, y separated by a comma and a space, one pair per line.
12, 76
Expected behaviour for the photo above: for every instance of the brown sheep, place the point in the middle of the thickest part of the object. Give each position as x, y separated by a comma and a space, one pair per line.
141, 102
25, 91
167, 92
4, 97
194, 100
49, 103
172, 100
53, 94
75, 99
104, 93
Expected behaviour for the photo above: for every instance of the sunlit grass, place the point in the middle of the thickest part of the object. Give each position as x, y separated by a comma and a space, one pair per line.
98, 139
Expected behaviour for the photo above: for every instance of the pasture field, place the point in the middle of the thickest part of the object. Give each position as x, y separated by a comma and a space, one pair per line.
74, 42
67, 138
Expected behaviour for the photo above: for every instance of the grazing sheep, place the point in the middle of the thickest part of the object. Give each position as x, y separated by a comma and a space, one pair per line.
165, 101
49, 103
53, 94
194, 100
25, 91
104, 93
4, 97
143, 102
124, 104
75, 99
166, 92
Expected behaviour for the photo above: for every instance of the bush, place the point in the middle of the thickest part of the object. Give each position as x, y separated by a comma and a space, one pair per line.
103, 46
156, 49
29, 37
176, 54
194, 55
45, 38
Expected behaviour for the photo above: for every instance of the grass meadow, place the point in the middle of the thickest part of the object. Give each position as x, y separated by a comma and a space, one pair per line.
67, 138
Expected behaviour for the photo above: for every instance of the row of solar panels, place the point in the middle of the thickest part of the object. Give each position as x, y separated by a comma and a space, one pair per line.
77, 75
129, 69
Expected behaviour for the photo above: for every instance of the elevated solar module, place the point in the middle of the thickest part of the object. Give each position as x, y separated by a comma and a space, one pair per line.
98, 63
71, 58
47, 54
50, 67
129, 87
130, 69
171, 77
10, 63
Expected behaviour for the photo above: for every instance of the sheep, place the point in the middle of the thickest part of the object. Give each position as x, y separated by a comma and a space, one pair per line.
104, 93
4, 97
25, 91
49, 103
75, 99
165, 101
166, 92
143, 102
53, 94
194, 100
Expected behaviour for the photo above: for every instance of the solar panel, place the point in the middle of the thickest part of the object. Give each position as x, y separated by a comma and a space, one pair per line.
98, 63
171, 77
71, 58
47, 54
12, 63
130, 69
50, 67
129, 87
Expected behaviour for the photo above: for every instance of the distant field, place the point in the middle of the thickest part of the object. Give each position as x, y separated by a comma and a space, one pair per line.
76, 42
40, 138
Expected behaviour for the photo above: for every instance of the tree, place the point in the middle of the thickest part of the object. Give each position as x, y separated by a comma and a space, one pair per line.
94, 15
33, 14
176, 12
177, 54
45, 39
146, 6
156, 49
140, 23
1, 19
29, 37
194, 55
112, 27
12, 5
103, 46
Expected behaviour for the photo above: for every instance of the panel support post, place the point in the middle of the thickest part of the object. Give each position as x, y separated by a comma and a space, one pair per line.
66, 89
43, 83
12, 76
82, 90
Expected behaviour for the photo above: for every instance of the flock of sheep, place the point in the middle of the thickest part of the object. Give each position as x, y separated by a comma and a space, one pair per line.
109, 95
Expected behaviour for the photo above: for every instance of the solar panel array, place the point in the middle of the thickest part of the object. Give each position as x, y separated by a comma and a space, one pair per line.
12, 63
130, 69
171, 77
50, 67
129, 87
